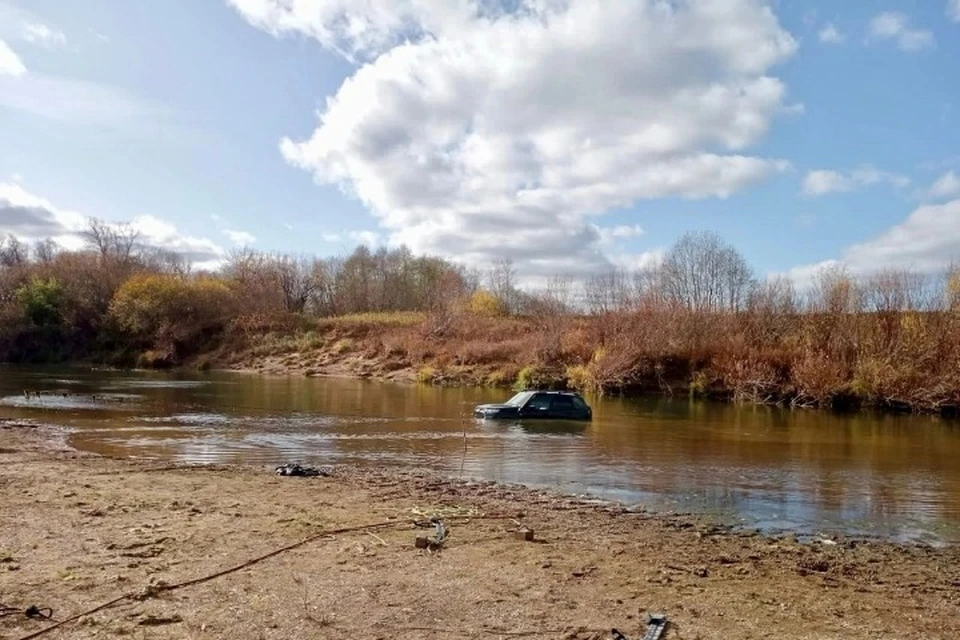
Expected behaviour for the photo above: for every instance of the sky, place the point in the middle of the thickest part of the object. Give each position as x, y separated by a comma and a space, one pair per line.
570, 136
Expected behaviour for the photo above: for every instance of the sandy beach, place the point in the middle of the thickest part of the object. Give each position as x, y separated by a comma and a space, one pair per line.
79, 530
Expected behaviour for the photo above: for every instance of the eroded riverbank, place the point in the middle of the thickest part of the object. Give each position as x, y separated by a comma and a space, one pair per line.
79, 530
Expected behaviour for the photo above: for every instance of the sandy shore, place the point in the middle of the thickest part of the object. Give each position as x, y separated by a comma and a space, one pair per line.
78, 530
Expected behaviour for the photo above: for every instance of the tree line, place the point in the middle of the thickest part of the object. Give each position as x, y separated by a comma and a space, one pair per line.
700, 316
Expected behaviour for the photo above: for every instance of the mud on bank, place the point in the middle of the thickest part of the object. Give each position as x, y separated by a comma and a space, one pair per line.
78, 530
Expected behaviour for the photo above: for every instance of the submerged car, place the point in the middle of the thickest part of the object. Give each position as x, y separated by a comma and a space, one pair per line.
559, 405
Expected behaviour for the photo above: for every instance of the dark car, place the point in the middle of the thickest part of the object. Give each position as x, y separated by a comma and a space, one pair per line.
558, 405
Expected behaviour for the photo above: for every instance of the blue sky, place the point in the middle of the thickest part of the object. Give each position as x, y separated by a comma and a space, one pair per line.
567, 135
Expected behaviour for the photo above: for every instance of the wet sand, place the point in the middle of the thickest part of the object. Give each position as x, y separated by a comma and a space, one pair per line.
78, 530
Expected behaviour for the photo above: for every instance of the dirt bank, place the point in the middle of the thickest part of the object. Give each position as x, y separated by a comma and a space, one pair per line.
78, 530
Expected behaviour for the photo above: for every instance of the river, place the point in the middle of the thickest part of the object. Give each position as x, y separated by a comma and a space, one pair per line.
813, 473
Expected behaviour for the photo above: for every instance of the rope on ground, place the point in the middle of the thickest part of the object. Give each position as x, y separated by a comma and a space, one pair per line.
153, 590
473, 632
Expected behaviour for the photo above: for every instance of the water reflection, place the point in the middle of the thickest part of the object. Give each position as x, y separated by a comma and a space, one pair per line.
890, 475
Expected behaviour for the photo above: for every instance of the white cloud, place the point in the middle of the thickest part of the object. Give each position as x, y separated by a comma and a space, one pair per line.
81, 103
953, 10
639, 261
41, 34
928, 241
821, 181
331, 237
619, 232
946, 186
240, 238
479, 133
895, 26
369, 238
31, 218
103, 39
10, 62
829, 34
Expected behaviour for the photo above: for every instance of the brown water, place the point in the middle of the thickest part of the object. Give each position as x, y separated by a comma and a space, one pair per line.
777, 470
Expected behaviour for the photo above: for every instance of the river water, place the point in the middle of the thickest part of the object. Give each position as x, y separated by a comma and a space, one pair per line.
814, 473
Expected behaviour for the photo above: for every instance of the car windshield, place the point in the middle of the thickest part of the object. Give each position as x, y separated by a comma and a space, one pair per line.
519, 399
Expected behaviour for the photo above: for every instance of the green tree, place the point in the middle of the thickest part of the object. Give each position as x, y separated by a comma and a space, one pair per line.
42, 302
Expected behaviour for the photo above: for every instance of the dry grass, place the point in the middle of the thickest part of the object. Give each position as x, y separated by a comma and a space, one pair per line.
384, 319
909, 361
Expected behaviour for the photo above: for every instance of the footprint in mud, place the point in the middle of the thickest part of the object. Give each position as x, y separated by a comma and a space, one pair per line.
141, 549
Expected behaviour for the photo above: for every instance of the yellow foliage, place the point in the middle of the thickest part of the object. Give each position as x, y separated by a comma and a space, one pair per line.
166, 310
386, 318
579, 377
953, 290
484, 303
426, 375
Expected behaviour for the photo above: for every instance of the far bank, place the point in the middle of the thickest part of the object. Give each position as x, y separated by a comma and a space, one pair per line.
720, 357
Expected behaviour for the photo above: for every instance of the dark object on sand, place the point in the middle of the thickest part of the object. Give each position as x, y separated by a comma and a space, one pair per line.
294, 469
33, 611
656, 625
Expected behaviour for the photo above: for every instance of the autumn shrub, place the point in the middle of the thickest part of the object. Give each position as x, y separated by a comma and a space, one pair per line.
169, 315
745, 377
484, 303
486, 352
503, 376
539, 377
819, 379
578, 377
427, 374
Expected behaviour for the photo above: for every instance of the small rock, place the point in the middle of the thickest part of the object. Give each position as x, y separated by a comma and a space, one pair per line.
701, 572
154, 621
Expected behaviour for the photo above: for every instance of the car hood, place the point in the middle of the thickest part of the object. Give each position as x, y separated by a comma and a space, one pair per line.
493, 407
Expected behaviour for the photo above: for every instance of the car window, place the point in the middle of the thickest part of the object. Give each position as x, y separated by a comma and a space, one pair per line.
579, 403
519, 399
539, 401
562, 403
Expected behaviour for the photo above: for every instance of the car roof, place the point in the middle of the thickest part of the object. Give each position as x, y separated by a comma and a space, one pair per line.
555, 393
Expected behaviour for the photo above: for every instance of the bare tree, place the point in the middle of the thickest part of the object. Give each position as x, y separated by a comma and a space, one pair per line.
607, 292
44, 251
558, 293
166, 261
255, 280
99, 235
296, 279
703, 273
951, 288
502, 281
13, 252
117, 241
773, 306
125, 241
893, 290
649, 285
835, 291
323, 296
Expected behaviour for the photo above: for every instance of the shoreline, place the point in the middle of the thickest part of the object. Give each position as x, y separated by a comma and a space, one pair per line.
79, 529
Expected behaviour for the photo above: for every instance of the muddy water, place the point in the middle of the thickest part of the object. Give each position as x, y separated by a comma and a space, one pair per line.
777, 470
